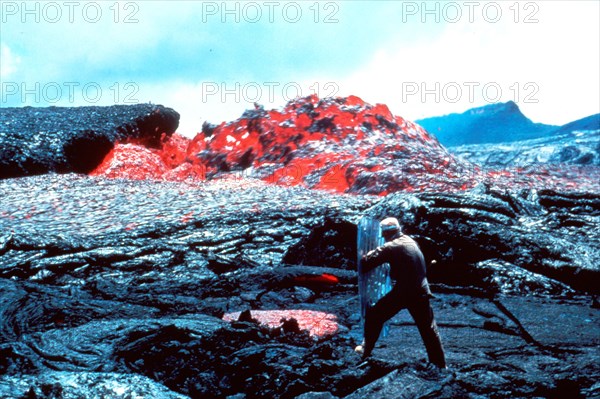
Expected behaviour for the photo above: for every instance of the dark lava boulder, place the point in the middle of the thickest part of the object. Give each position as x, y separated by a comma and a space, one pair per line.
75, 139
333, 244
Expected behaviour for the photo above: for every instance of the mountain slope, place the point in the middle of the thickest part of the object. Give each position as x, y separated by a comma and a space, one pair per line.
492, 123
590, 123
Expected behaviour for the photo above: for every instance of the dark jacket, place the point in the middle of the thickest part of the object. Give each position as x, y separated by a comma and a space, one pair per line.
407, 265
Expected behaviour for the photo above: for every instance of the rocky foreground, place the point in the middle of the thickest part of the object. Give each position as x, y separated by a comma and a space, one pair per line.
118, 288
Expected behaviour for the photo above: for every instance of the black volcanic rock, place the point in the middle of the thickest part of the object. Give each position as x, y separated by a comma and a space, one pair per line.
75, 139
495, 276
78, 385
581, 149
120, 288
333, 244
537, 231
116, 288
494, 123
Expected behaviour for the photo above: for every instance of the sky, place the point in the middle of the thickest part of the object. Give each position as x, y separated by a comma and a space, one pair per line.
211, 60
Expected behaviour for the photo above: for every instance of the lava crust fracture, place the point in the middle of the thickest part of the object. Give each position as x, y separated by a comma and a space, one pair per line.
119, 287
177, 269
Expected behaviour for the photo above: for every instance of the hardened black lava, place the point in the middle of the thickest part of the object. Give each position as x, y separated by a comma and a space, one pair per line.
116, 288
36, 140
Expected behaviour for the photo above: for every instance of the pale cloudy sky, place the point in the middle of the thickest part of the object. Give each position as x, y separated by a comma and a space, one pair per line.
211, 60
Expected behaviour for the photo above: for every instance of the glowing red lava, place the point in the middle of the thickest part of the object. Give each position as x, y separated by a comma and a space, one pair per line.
342, 145
318, 324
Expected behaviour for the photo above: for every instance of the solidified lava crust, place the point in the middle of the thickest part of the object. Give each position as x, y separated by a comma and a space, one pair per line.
75, 139
179, 270
119, 287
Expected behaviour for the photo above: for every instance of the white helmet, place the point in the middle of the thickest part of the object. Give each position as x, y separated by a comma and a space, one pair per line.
390, 225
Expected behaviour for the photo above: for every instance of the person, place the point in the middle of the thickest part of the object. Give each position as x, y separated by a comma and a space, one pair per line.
410, 291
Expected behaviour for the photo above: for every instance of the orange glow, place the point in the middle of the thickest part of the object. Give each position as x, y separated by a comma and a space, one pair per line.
318, 324
342, 145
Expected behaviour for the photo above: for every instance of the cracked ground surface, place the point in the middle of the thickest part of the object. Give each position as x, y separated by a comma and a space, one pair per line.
118, 288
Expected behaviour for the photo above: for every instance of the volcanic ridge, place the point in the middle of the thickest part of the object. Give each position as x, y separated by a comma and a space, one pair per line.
339, 144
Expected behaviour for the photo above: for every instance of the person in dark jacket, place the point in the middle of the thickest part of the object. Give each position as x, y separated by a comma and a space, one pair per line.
410, 291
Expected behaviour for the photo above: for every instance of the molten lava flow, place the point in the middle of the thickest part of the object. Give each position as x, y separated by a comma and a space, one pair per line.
131, 161
338, 144
318, 324
315, 281
137, 162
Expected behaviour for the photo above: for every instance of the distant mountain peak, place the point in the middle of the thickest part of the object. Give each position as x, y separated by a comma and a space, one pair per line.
508, 108
491, 123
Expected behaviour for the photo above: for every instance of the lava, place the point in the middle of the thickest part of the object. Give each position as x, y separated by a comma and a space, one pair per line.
324, 279
334, 144
318, 324
342, 145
